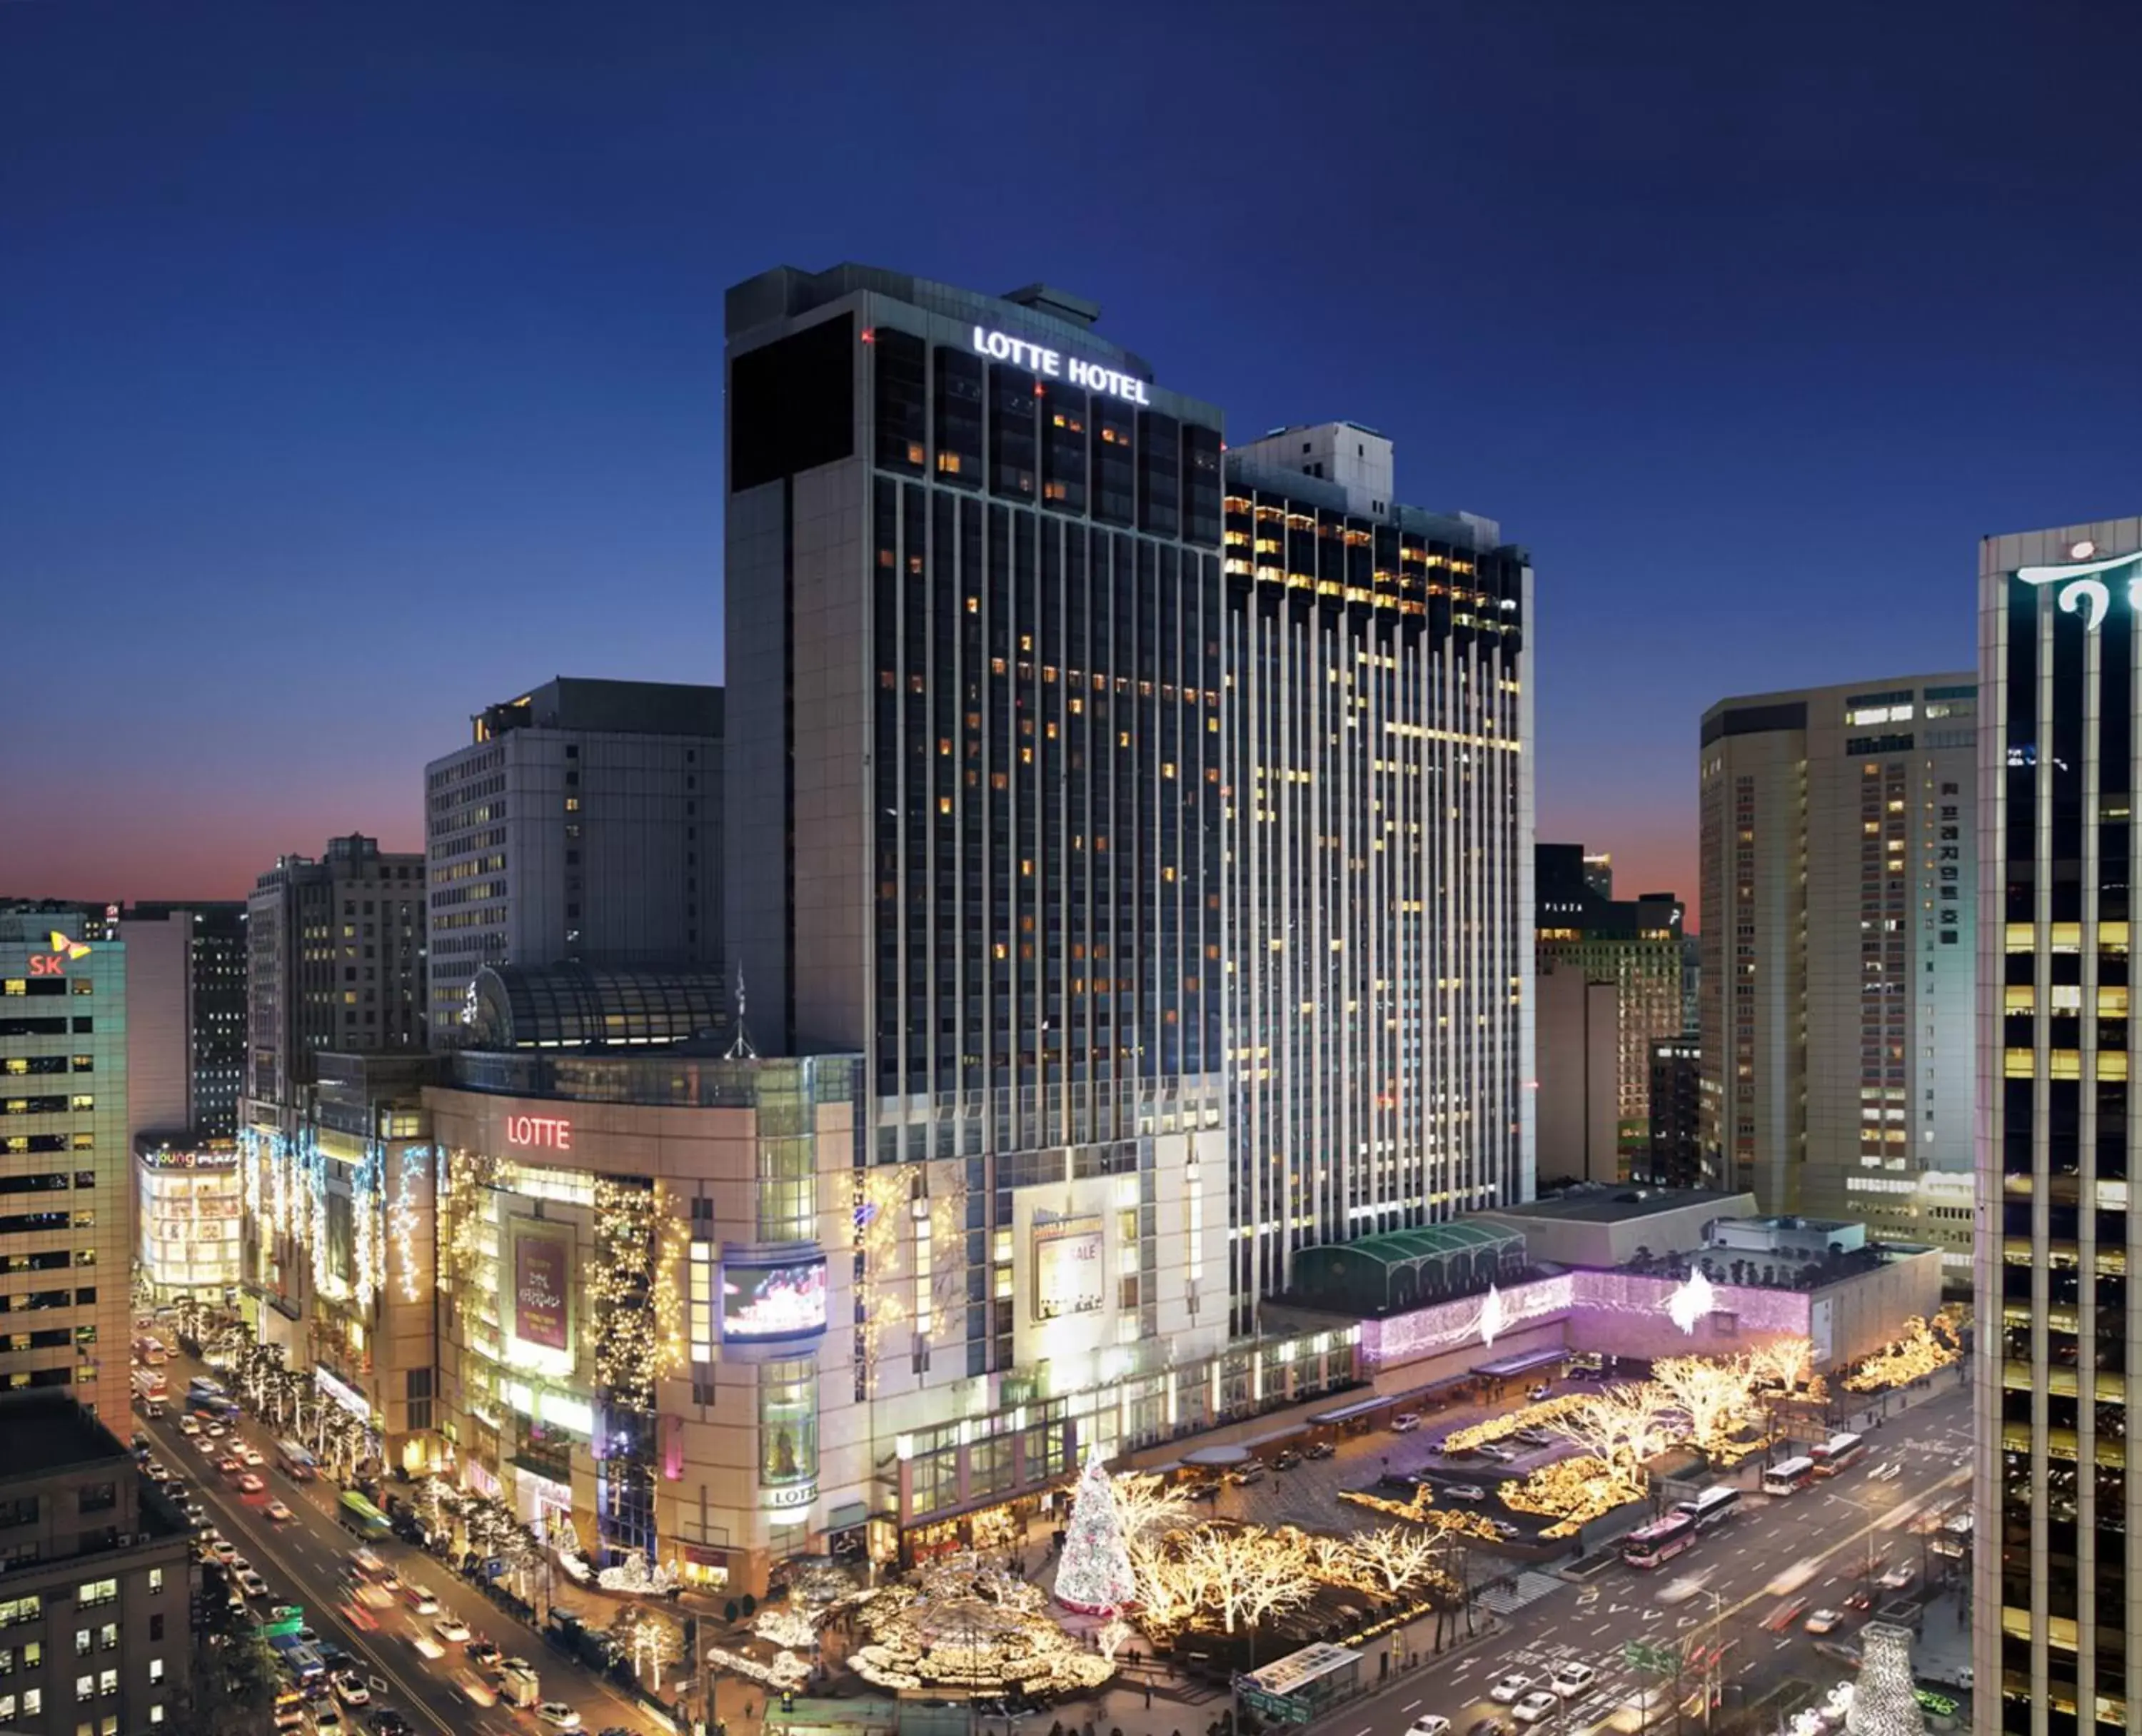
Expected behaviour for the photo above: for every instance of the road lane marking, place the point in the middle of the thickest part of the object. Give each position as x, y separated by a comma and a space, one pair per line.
1409, 1705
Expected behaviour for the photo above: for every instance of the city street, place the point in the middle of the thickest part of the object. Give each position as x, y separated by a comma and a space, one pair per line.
305, 1560
1812, 1547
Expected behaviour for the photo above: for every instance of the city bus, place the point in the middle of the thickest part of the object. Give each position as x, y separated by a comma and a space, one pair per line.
149, 1352
294, 1462
1838, 1453
1661, 1541
1713, 1506
1793, 1473
354, 1513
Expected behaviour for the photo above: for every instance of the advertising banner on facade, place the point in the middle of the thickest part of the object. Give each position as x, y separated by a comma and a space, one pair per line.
542, 1283
1068, 1268
763, 1301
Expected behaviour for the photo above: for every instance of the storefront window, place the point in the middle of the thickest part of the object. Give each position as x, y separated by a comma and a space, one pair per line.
788, 1422
936, 1480
989, 1466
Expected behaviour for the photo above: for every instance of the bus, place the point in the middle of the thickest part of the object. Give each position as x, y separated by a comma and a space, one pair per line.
294, 1462
354, 1513
1838, 1453
149, 1352
1713, 1506
1793, 1473
1661, 1541
149, 1383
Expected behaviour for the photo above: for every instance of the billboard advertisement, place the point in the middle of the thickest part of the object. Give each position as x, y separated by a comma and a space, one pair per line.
763, 1301
1068, 1268
542, 1283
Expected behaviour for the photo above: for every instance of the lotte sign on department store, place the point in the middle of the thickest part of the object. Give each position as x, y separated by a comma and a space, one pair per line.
1040, 359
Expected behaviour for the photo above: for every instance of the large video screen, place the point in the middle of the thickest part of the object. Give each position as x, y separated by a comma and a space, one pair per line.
761, 1303
1068, 1268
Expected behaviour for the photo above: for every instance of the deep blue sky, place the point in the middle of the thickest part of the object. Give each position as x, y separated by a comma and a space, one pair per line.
360, 363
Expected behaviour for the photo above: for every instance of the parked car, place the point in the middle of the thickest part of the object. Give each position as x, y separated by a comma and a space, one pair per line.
1465, 1492
1242, 1476
388, 1722
349, 1687
1405, 1421
1287, 1461
1206, 1489
1507, 1528
1513, 1686
1319, 1450
1537, 1391
1496, 1451
1534, 1706
252, 1585
1573, 1679
1534, 1437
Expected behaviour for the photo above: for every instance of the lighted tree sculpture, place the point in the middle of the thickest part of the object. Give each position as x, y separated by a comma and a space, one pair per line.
651, 1642
1620, 1426
1713, 1394
1095, 1576
1394, 1558
1885, 1701
1248, 1573
1788, 1361
1918, 1351
1146, 1506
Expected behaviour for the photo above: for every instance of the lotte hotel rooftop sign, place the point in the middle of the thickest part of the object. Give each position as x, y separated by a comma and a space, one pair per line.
1050, 363
2083, 578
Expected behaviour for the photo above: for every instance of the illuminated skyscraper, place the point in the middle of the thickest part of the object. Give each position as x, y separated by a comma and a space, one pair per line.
1837, 851
2059, 1479
1379, 717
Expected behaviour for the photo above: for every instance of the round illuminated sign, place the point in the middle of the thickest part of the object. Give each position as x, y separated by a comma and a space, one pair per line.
2081, 550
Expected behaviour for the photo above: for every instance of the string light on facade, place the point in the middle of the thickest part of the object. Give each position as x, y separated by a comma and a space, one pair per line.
1688, 1305
1491, 1317
401, 1217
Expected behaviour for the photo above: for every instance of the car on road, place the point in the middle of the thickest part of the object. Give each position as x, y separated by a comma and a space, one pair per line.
1242, 1476
196, 1514
220, 1546
1824, 1621
1949, 1548
1859, 1598
451, 1627
189, 1425
1534, 1706
251, 1455
1510, 1688
388, 1722
209, 1450
214, 1431
249, 1484
230, 1464
278, 1511
558, 1715
158, 1470
421, 1599
350, 1690
1838, 1653
251, 1584
1487, 1727
1573, 1679
1898, 1578
326, 1719
481, 1651
1405, 1421
1319, 1450
1507, 1528
1785, 1615
1206, 1489
1429, 1724
1287, 1461
1465, 1492
1534, 1437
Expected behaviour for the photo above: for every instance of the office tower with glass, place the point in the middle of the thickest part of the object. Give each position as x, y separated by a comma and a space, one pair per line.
1378, 723
1837, 853
2058, 1484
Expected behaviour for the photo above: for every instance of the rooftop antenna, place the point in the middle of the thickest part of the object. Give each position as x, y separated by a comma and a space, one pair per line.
741, 1048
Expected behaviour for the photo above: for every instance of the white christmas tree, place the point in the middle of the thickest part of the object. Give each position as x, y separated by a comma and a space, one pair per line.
1094, 1577
1885, 1702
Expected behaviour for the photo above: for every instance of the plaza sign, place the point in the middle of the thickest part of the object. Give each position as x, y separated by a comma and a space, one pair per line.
1050, 364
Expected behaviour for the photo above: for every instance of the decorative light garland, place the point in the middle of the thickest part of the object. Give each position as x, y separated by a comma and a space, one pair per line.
413, 1172
627, 1349
315, 1211
368, 1250
1920, 1350
469, 1177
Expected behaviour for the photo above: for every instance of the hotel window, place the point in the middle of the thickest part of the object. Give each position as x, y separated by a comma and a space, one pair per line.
902, 400
958, 417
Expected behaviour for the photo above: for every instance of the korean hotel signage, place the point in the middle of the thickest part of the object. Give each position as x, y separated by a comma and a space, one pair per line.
2085, 580
1053, 365
539, 1132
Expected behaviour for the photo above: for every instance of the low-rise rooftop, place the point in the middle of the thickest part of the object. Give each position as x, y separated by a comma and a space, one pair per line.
1604, 1205
41, 1432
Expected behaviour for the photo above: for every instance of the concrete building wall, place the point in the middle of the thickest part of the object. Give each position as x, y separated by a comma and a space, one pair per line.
1579, 1038
1674, 1225
159, 1027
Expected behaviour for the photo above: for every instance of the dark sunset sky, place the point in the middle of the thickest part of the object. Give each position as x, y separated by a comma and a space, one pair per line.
360, 364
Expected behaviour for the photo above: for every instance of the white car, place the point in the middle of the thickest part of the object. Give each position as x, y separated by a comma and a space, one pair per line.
1466, 1492
1405, 1421
1533, 1707
558, 1715
252, 1585
349, 1687
451, 1628
1510, 1688
1429, 1724
1573, 1679
251, 1455
189, 1425
420, 1598
222, 1548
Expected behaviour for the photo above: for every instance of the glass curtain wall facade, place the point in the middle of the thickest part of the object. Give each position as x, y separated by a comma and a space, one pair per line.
2057, 1529
1379, 734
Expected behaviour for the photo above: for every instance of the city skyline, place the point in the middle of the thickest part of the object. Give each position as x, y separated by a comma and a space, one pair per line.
394, 374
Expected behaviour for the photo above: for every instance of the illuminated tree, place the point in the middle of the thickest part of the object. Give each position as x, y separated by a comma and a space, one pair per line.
1145, 1504
1621, 1426
1916, 1353
1395, 1558
1788, 1361
649, 1640
1574, 1491
1248, 1573
1713, 1394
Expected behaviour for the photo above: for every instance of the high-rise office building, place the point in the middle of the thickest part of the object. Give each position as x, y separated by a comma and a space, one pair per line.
1586, 935
1839, 931
1377, 718
213, 932
66, 1160
975, 755
2059, 1470
583, 822
97, 1602
1676, 1147
335, 960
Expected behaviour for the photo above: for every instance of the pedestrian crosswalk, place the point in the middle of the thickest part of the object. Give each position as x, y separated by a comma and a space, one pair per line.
1527, 1588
